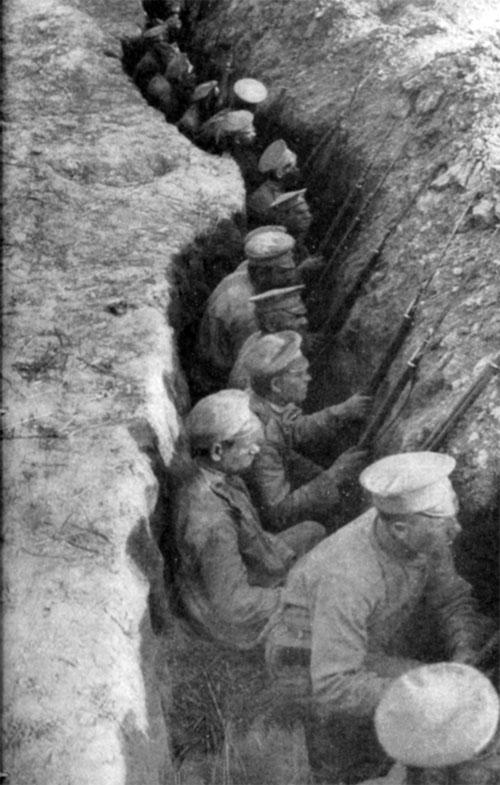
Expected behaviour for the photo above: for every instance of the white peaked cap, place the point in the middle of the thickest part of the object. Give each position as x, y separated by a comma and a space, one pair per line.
250, 90
411, 482
437, 715
219, 417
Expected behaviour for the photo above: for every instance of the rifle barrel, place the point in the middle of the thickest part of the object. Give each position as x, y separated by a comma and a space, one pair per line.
409, 315
441, 431
410, 369
356, 187
340, 246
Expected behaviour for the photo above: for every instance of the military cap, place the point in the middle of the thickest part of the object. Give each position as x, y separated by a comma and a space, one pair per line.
266, 246
157, 32
289, 198
277, 154
273, 353
203, 90
250, 90
412, 482
285, 299
219, 417
437, 715
232, 121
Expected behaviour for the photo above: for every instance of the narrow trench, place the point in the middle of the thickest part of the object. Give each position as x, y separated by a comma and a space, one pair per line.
338, 181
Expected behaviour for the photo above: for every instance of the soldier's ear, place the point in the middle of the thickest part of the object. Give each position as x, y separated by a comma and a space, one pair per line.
399, 529
216, 452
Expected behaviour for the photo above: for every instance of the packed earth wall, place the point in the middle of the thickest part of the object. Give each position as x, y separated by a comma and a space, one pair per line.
99, 193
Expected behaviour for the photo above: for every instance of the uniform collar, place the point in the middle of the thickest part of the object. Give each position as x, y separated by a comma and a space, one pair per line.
391, 547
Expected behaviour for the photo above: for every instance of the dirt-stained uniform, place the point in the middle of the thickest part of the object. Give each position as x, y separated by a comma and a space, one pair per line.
230, 568
351, 603
286, 486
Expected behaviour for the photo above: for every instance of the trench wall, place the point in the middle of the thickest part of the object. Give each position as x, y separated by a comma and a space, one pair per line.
411, 87
99, 193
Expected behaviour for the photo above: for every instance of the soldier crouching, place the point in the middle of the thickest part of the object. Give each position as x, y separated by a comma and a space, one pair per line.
230, 571
351, 606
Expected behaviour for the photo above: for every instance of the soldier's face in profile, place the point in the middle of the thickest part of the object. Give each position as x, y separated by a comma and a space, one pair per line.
430, 534
238, 454
289, 320
292, 385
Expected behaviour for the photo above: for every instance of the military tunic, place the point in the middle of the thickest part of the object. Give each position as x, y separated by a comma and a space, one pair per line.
350, 603
286, 486
229, 319
230, 569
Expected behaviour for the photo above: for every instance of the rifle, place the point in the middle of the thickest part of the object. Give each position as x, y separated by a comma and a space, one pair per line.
342, 304
408, 318
409, 374
440, 432
371, 196
355, 188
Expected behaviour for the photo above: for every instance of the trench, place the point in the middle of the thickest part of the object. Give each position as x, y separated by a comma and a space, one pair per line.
209, 700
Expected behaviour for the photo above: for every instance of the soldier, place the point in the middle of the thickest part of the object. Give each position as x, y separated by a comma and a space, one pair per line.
229, 317
230, 570
248, 94
227, 130
275, 310
285, 485
291, 210
201, 108
353, 606
441, 721
277, 162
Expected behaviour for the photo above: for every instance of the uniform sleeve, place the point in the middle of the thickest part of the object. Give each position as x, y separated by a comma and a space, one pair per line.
451, 598
226, 581
341, 681
213, 350
278, 504
309, 430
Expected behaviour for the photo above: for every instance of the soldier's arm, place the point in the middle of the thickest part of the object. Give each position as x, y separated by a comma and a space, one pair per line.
309, 430
344, 678
278, 504
450, 596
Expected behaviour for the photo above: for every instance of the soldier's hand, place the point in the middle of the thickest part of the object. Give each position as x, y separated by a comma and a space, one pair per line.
349, 464
356, 407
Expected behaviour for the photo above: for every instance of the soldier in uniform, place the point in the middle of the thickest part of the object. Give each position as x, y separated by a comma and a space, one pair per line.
229, 317
285, 485
247, 94
201, 108
230, 570
227, 131
353, 606
275, 310
291, 210
277, 162
441, 721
